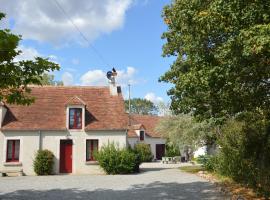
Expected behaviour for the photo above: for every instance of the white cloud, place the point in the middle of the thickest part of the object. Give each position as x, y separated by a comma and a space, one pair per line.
28, 53
94, 77
98, 77
44, 21
153, 97
67, 78
126, 77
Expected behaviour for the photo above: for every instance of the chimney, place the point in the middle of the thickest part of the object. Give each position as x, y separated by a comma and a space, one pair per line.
114, 89
3, 111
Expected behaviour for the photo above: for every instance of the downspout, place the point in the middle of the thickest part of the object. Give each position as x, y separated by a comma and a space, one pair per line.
40, 140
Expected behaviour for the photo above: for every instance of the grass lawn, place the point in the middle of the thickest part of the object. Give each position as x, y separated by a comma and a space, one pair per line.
192, 169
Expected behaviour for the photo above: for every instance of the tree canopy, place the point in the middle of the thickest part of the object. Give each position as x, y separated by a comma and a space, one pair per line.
141, 106
222, 51
15, 76
48, 79
182, 130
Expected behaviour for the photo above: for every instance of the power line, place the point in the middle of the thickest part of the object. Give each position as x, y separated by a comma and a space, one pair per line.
80, 32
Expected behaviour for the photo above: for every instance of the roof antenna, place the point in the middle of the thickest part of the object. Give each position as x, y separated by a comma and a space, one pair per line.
129, 120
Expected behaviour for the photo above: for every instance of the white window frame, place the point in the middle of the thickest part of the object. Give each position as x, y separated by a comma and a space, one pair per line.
83, 117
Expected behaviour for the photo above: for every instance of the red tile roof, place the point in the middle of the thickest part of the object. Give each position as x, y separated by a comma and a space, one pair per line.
132, 134
75, 101
148, 121
103, 111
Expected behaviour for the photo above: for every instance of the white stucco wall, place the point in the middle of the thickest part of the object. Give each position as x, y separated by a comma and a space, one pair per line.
3, 111
148, 140
200, 152
29, 144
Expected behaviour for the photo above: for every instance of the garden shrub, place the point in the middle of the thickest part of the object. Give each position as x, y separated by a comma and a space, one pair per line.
43, 163
115, 160
245, 152
209, 162
172, 150
144, 152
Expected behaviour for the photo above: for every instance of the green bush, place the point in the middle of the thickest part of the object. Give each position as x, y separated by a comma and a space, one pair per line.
117, 161
202, 159
144, 152
245, 152
43, 163
172, 150
209, 162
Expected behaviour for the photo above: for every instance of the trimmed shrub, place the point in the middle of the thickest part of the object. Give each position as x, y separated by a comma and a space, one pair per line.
117, 161
144, 152
43, 163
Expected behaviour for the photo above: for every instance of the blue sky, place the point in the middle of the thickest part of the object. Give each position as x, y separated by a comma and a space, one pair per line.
126, 33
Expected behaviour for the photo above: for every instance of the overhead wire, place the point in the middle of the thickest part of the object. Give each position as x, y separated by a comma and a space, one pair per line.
81, 33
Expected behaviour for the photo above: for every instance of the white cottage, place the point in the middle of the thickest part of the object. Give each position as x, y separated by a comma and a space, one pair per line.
71, 122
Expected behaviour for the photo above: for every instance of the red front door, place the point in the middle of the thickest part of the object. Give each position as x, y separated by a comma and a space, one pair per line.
65, 156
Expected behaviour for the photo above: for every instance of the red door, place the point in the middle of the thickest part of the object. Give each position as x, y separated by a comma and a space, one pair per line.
160, 151
65, 156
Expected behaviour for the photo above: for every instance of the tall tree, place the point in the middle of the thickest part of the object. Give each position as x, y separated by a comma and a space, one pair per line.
183, 130
222, 51
141, 106
16, 76
48, 79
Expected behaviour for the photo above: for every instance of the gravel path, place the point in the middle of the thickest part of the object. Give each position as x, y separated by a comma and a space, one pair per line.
157, 181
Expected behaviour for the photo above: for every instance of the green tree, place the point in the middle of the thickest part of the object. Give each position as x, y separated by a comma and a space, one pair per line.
141, 106
222, 51
183, 130
48, 79
16, 76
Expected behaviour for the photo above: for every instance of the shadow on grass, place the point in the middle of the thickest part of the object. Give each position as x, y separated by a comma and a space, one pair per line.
154, 190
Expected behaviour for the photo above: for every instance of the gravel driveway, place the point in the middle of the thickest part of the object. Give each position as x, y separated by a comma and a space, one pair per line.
157, 181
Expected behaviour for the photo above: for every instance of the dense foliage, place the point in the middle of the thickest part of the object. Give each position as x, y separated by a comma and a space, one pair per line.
221, 73
171, 149
141, 106
182, 130
144, 152
222, 51
245, 152
209, 162
114, 160
43, 163
15, 76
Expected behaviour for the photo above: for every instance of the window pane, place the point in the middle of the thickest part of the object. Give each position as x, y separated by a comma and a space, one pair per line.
79, 118
9, 149
75, 118
91, 148
141, 135
13, 150
71, 117
88, 143
17, 150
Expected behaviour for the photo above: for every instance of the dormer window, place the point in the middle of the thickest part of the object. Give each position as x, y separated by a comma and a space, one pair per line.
141, 135
75, 118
